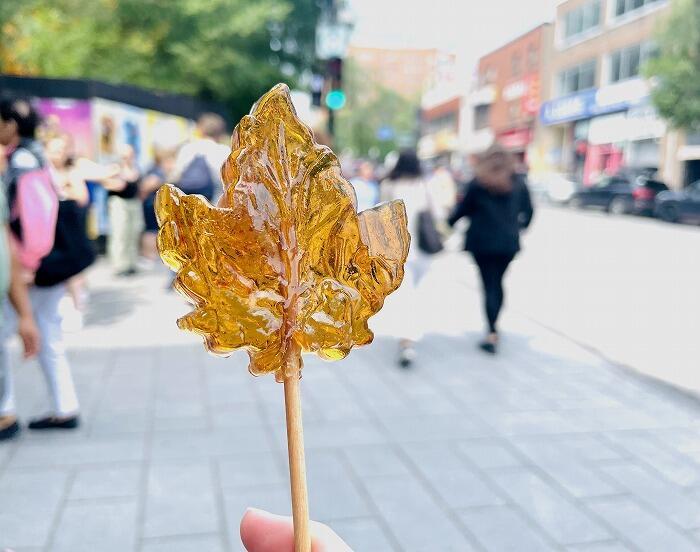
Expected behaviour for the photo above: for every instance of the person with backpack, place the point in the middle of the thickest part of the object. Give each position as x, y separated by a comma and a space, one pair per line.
50, 247
198, 164
13, 286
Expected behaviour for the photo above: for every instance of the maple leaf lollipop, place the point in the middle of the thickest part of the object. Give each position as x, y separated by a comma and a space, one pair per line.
284, 264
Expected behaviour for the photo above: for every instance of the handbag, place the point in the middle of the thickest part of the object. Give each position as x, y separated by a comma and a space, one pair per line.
72, 250
429, 238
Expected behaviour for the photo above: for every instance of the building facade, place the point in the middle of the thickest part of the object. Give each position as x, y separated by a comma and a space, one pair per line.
600, 119
506, 95
408, 72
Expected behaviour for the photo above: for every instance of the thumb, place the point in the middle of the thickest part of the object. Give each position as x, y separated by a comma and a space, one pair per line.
265, 532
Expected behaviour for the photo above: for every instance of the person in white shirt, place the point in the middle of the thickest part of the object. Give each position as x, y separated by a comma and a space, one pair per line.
197, 168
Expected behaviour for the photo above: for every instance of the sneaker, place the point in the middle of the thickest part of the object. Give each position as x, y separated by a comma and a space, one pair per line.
406, 357
53, 422
10, 430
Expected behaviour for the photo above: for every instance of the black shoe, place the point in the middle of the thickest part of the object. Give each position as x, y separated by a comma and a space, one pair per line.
10, 431
52, 422
488, 347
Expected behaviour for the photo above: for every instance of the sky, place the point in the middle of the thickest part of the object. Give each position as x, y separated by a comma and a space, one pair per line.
465, 27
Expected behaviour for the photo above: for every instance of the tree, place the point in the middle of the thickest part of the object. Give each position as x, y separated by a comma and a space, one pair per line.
676, 94
225, 50
375, 120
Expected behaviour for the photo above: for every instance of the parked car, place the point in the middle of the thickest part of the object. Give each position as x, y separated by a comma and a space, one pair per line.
621, 194
553, 187
681, 205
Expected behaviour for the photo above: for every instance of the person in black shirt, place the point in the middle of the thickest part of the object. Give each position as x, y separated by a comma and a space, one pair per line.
497, 202
125, 214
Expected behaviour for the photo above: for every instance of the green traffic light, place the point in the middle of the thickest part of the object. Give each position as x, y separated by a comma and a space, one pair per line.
335, 99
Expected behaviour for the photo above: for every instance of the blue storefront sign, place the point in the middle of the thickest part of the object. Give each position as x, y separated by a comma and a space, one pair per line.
593, 102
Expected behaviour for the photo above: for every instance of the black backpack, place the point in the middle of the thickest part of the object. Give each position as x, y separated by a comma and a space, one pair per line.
72, 250
197, 178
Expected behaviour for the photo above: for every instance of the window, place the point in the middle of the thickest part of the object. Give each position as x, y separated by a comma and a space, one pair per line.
532, 57
582, 19
515, 65
627, 62
481, 116
579, 77
626, 6
488, 76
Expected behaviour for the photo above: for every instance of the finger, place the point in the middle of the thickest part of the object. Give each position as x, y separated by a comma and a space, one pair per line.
265, 532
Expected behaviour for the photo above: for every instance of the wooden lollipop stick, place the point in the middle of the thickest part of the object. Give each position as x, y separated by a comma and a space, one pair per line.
297, 465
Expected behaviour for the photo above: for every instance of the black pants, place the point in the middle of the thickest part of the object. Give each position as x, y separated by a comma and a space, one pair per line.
492, 268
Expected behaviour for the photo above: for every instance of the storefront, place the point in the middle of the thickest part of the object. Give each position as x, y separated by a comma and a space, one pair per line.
601, 131
516, 141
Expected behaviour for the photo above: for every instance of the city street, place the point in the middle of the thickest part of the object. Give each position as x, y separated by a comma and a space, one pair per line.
556, 444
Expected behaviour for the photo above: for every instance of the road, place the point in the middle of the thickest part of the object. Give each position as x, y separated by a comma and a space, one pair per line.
628, 287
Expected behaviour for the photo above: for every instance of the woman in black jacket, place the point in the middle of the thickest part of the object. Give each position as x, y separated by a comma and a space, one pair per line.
497, 202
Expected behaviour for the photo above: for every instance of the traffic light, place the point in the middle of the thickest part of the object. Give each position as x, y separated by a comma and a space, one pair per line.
335, 97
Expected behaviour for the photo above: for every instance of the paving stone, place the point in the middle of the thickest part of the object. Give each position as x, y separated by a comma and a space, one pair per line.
325, 435
502, 529
250, 470
332, 493
169, 445
643, 529
71, 453
362, 534
416, 521
666, 498
431, 428
488, 454
448, 475
375, 461
187, 544
673, 466
107, 482
560, 517
611, 546
180, 500
92, 525
30, 501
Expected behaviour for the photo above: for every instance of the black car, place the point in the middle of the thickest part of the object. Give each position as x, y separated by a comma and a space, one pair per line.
681, 205
621, 194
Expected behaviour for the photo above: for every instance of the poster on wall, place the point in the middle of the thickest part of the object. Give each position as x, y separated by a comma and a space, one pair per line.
66, 116
115, 124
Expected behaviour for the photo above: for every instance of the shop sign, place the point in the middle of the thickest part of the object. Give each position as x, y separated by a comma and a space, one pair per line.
589, 103
516, 139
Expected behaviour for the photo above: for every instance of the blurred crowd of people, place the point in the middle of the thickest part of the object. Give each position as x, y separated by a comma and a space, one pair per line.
44, 247
495, 199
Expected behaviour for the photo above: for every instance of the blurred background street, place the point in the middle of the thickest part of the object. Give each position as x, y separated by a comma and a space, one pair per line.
572, 425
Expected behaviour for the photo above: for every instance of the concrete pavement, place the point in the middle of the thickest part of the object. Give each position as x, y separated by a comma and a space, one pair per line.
546, 447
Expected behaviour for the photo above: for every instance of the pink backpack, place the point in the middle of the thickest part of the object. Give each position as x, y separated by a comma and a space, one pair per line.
35, 208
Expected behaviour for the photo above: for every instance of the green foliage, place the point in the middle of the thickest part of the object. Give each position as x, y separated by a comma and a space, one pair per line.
230, 51
370, 107
677, 69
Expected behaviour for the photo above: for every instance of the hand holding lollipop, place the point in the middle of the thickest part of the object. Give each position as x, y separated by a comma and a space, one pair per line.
284, 264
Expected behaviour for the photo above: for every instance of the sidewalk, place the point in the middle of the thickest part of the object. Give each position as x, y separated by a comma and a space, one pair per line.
545, 447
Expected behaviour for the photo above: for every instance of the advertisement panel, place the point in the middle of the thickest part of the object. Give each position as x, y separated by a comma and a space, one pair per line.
65, 116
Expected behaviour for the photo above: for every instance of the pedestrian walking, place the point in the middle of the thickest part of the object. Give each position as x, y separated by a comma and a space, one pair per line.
34, 222
164, 160
406, 182
497, 202
197, 167
125, 214
366, 186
